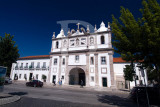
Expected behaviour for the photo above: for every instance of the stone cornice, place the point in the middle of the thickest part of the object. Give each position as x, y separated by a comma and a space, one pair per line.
82, 51
84, 35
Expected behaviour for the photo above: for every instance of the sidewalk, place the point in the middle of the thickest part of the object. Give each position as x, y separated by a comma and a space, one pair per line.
6, 98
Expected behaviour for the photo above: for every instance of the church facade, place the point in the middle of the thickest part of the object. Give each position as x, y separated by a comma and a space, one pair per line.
79, 56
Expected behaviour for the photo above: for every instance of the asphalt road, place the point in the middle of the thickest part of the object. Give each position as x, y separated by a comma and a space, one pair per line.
65, 97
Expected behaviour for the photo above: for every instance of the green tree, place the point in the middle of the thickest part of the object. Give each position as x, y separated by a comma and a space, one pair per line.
128, 75
151, 34
8, 52
139, 39
126, 37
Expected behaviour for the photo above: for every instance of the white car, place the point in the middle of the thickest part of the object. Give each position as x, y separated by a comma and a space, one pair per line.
8, 80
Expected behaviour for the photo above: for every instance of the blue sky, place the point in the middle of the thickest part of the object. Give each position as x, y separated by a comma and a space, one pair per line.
33, 22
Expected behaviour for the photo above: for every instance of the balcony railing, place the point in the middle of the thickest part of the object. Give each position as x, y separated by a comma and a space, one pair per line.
16, 68
26, 68
31, 67
21, 67
44, 68
38, 68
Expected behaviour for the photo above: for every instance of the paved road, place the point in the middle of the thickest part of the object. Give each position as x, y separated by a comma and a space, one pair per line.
65, 97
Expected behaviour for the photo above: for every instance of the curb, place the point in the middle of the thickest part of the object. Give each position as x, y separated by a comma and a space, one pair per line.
8, 100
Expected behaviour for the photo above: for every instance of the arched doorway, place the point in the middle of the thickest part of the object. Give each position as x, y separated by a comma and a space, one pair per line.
76, 75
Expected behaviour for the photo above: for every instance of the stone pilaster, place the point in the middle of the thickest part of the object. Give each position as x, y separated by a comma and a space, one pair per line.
60, 64
50, 70
96, 70
66, 72
111, 70
87, 70
109, 39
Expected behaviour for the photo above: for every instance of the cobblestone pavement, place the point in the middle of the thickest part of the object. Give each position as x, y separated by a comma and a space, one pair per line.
63, 96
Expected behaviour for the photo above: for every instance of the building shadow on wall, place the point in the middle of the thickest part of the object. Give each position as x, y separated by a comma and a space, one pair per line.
116, 100
18, 93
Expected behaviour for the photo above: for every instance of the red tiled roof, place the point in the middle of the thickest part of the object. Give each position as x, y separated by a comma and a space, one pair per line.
35, 57
119, 59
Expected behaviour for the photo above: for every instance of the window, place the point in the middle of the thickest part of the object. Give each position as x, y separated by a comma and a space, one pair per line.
63, 62
19, 76
91, 40
55, 61
92, 61
37, 76
26, 65
92, 79
21, 65
83, 41
77, 58
44, 64
32, 64
38, 64
71, 42
102, 40
103, 60
25, 76
57, 43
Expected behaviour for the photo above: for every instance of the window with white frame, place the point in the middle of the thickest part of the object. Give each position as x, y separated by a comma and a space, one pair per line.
38, 64
63, 61
103, 60
37, 76
44, 64
25, 76
92, 78
92, 60
83, 41
57, 44
19, 76
77, 58
102, 39
72, 42
55, 61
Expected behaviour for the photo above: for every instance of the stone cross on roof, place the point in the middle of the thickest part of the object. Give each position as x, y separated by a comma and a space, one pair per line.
78, 25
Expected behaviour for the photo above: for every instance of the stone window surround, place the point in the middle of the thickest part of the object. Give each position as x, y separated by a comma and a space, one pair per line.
105, 60
20, 76
102, 37
55, 61
71, 41
92, 78
91, 60
57, 45
63, 61
76, 58
103, 72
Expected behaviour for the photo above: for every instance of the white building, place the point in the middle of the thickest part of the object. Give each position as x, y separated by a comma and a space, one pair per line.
80, 55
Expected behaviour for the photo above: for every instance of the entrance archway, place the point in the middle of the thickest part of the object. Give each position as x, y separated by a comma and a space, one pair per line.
76, 75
